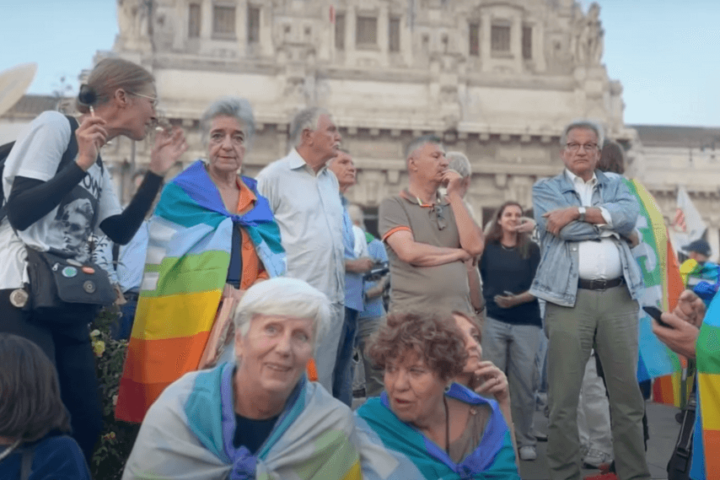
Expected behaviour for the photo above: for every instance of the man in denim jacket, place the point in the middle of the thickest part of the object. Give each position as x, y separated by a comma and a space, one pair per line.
591, 283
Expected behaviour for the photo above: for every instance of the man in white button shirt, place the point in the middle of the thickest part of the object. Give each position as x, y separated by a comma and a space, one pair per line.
591, 283
303, 196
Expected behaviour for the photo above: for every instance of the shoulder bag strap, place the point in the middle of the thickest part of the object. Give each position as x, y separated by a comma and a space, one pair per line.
26, 463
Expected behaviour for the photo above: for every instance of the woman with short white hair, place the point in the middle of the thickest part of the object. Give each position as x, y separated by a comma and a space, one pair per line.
212, 237
256, 417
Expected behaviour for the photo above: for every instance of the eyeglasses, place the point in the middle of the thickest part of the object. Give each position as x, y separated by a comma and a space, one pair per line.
440, 215
588, 147
153, 100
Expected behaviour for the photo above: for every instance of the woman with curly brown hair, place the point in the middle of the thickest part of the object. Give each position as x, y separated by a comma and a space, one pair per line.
33, 421
424, 425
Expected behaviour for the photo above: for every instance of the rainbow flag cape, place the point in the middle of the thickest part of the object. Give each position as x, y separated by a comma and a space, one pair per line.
185, 272
391, 449
706, 462
663, 284
189, 434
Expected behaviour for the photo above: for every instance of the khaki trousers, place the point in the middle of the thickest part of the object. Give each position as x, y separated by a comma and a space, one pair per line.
606, 320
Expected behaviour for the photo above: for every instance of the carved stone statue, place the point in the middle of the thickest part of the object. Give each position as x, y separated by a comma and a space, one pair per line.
133, 21
587, 42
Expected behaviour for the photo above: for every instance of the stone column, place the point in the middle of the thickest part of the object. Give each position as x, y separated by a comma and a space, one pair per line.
266, 25
241, 24
206, 20
406, 40
516, 42
350, 23
181, 26
383, 33
538, 46
485, 42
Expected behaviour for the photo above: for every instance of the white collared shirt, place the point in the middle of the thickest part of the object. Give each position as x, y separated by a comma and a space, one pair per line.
597, 260
308, 210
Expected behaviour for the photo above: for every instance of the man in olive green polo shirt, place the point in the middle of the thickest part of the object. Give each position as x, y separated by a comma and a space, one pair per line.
429, 236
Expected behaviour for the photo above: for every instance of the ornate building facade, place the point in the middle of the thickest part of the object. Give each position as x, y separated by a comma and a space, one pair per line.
497, 80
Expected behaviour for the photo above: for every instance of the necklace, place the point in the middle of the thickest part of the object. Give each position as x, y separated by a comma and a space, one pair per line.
447, 427
507, 248
9, 450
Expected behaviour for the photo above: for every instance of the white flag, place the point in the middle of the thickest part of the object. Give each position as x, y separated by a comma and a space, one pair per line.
688, 224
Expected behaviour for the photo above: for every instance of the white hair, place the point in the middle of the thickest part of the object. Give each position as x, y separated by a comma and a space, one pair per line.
420, 142
459, 162
356, 214
585, 125
228, 106
285, 297
305, 119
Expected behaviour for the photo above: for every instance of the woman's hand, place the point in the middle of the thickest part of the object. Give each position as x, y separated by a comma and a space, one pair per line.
494, 382
90, 135
168, 148
505, 301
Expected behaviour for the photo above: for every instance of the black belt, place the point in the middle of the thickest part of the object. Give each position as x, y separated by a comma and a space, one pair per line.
600, 284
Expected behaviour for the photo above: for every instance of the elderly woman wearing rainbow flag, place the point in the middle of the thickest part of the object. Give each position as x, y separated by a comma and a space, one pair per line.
424, 425
257, 417
212, 237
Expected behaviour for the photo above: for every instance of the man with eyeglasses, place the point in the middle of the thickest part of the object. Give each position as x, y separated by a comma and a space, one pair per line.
430, 236
591, 283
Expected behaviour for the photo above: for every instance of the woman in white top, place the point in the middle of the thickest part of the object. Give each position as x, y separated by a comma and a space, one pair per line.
54, 206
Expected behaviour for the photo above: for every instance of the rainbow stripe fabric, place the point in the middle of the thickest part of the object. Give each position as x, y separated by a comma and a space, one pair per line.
391, 449
706, 462
185, 272
189, 434
663, 284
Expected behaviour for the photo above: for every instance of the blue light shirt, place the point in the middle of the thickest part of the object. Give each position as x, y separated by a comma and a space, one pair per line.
131, 259
374, 306
353, 281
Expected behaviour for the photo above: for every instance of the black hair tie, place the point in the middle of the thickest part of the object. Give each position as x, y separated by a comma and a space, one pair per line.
87, 95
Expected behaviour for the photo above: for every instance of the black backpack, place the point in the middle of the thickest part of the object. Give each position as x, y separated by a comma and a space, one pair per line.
68, 156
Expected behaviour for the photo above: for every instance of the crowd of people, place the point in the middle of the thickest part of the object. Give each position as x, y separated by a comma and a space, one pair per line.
245, 300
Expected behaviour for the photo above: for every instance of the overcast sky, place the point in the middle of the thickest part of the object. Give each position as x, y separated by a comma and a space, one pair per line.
666, 53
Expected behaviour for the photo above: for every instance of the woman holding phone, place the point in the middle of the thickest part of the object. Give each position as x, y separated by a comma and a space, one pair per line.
512, 328
55, 199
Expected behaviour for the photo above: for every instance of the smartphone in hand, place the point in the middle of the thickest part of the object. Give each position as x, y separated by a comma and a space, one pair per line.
656, 313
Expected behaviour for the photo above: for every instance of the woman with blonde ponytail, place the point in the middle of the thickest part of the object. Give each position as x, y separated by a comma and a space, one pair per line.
58, 193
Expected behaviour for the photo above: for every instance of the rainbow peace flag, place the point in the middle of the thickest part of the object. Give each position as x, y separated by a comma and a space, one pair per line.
706, 462
663, 284
185, 272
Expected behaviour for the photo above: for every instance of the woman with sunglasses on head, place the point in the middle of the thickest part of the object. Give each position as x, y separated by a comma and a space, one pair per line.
54, 166
511, 334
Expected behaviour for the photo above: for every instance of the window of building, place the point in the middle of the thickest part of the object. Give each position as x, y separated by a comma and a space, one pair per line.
474, 39
394, 34
340, 31
224, 21
527, 43
366, 31
500, 38
193, 20
253, 25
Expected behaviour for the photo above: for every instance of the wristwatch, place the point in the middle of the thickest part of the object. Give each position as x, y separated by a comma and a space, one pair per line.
581, 211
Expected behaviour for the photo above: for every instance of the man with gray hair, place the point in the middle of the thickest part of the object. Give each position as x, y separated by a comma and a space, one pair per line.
591, 283
430, 236
303, 196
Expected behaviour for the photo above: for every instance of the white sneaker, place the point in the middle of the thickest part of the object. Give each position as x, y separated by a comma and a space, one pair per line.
528, 453
594, 458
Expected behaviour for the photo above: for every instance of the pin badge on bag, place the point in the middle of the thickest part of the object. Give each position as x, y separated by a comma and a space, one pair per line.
69, 272
19, 298
89, 287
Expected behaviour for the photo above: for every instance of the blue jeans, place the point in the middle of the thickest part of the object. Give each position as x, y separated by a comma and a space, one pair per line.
343, 373
123, 328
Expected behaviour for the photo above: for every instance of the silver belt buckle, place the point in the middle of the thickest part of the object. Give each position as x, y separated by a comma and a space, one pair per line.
19, 298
